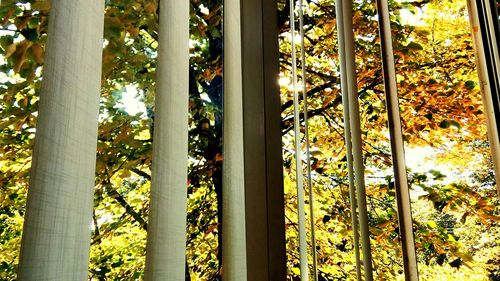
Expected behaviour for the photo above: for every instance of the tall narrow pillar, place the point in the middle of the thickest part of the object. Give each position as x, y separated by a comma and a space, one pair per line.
57, 228
166, 242
253, 224
341, 35
350, 99
397, 145
484, 23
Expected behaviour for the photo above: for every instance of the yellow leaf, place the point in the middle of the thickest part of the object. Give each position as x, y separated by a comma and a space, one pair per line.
125, 174
432, 224
451, 238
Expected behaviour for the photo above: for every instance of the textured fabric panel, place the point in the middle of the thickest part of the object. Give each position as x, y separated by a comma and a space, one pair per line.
234, 239
167, 225
56, 235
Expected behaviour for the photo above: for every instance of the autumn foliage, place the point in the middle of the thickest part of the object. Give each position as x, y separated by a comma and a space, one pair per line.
455, 209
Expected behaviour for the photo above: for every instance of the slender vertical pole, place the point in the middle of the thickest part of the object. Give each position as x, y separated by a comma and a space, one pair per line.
487, 93
312, 220
57, 228
254, 227
299, 177
488, 27
165, 258
359, 169
273, 140
397, 145
347, 134
234, 251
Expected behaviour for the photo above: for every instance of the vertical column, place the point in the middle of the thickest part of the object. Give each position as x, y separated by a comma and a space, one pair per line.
57, 228
397, 146
234, 248
347, 49
487, 18
165, 257
339, 8
484, 31
299, 169
254, 235
274, 192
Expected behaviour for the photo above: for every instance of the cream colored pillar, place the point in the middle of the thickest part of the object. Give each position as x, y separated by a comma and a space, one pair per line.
57, 228
341, 31
234, 251
348, 50
166, 243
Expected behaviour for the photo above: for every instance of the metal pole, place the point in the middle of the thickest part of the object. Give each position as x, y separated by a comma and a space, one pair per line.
166, 241
359, 169
397, 145
347, 135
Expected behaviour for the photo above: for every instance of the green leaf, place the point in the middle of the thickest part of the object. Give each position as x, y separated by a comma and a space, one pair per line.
414, 46
445, 124
470, 85
455, 124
